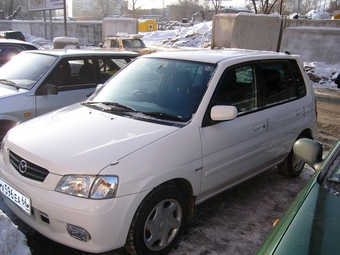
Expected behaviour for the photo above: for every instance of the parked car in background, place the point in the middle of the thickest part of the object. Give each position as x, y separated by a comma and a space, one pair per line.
12, 34
10, 48
172, 129
128, 42
35, 82
311, 224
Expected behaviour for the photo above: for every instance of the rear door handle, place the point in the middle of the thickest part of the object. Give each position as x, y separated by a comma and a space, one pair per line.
298, 112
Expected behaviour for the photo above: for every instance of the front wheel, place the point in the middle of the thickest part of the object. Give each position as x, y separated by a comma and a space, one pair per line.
292, 166
158, 222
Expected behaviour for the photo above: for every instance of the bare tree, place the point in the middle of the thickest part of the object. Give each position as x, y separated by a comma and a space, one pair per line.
314, 5
184, 9
217, 4
133, 6
103, 8
334, 5
7, 10
265, 6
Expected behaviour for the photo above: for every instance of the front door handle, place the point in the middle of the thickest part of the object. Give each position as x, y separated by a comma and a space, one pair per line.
259, 127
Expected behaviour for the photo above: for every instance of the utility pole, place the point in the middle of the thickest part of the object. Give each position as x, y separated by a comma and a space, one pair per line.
65, 27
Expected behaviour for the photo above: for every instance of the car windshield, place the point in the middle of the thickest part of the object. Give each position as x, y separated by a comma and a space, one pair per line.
133, 43
332, 180
161, 88
25, 69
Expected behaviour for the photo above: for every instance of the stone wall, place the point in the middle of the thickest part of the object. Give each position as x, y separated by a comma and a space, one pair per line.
314, 40
88, 32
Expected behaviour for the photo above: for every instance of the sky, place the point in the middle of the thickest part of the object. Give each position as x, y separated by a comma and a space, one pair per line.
13, 242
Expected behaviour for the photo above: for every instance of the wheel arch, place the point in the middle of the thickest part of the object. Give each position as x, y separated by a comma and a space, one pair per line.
306, 133
5, 125
187, 189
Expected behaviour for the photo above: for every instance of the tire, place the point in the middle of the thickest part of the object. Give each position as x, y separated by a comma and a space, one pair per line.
292, 166
158, 222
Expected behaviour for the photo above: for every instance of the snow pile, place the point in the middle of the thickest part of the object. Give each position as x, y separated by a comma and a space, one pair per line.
321, 74
318, 14
12, 241
313, 14
197, 36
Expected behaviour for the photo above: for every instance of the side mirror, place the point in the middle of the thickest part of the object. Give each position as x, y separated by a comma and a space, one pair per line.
309, 151
223, 112
50, 89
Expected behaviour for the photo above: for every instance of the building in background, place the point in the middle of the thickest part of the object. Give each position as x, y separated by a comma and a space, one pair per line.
99, 9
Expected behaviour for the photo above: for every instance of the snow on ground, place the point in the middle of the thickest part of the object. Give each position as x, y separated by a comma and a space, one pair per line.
13, 242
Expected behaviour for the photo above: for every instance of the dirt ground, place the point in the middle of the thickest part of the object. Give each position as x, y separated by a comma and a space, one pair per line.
237, 221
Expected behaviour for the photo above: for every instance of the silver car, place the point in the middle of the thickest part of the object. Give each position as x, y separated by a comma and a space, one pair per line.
36, 82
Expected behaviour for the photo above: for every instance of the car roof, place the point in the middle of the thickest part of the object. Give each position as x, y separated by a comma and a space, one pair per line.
215, 56
81, 52
124, 36
16, 42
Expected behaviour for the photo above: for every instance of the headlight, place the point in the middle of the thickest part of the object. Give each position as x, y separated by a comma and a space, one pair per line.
95, 187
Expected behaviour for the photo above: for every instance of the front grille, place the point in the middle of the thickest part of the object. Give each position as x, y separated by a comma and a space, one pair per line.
33, 171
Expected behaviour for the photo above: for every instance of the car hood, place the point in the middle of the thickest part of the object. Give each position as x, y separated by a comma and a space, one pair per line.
6, 90
80, 140
316, 227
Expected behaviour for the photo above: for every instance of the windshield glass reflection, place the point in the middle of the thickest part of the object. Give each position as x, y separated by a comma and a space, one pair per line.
159, 87
25, 69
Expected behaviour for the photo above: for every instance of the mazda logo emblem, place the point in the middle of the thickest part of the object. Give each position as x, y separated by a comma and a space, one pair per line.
23, 166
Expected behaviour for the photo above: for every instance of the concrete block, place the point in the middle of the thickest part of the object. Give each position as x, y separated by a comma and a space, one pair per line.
222, 30
111, 26
256, 31
314, 44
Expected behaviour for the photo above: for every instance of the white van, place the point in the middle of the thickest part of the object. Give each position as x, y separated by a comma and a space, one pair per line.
171, 130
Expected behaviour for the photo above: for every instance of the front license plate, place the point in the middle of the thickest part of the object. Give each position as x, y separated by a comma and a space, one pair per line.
16, 197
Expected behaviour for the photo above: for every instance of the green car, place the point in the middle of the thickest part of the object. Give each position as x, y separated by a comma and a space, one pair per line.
311, 224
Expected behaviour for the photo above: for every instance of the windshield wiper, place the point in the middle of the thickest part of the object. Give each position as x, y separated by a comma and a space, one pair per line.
164, 115
117, 105
10, 83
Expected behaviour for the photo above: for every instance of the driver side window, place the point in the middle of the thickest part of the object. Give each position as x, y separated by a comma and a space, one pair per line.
238, 87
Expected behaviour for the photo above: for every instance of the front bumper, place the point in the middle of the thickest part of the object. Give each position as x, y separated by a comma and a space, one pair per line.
107, 221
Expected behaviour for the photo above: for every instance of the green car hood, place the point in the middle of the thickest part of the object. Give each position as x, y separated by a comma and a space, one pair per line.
316, 227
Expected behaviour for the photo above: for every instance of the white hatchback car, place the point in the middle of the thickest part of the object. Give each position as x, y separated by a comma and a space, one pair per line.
171, 130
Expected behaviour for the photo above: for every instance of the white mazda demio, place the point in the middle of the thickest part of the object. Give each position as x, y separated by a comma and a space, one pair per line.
127, 166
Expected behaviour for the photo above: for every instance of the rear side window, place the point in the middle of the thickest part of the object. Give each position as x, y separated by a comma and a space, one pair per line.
110, 43
298, 78
14, 35
109, 66
278, 83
